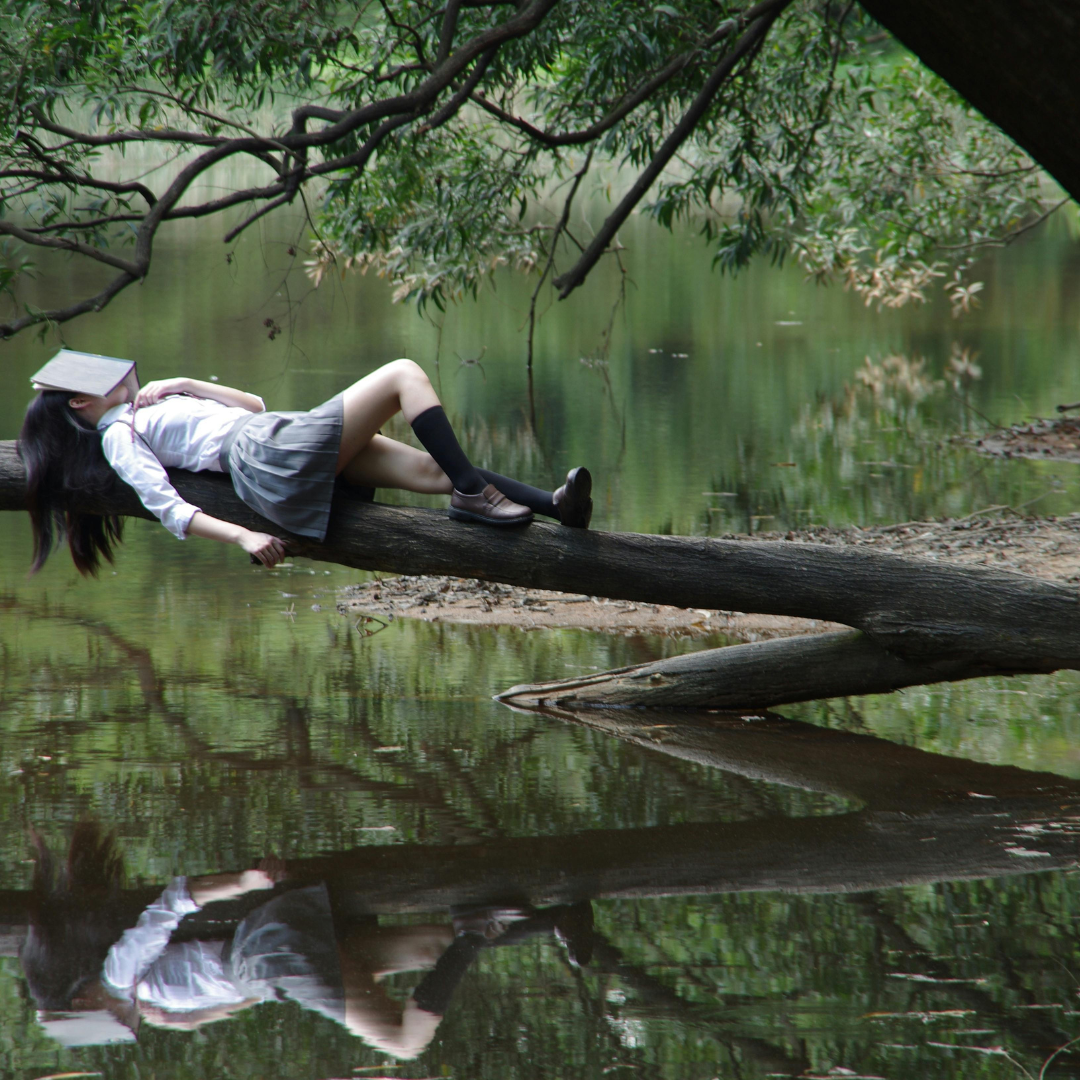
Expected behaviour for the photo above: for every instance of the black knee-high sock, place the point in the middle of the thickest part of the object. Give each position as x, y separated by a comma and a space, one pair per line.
436, 988
536, 499
438, 439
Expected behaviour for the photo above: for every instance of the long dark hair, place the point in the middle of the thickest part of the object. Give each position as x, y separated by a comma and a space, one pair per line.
64, 460
75, 917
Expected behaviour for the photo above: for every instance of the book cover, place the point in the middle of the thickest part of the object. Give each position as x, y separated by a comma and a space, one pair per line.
83, 373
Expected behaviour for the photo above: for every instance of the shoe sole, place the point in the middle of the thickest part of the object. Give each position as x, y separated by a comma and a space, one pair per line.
465, 515
580, 507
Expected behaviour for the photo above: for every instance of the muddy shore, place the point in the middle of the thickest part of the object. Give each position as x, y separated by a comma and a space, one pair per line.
1045, 547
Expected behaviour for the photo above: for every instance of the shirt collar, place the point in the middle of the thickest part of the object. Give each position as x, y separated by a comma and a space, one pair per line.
112, 415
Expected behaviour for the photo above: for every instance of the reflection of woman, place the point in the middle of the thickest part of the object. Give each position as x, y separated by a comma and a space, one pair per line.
96, 981
81, 962
287, 948
283, 465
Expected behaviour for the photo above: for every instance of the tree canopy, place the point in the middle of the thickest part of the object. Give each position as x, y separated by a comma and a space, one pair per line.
435, 142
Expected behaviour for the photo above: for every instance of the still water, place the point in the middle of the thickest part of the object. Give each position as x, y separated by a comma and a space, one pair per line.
880, 887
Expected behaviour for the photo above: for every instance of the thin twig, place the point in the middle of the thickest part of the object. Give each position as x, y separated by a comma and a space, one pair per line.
578, 177
232, 234
982, 416
1008, 238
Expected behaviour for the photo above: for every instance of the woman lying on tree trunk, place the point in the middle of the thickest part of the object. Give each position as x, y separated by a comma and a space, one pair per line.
282, 464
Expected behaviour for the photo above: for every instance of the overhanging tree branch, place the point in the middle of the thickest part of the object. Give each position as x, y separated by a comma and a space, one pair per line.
393, 112
62, 176
8, 228
58, 315
629, 103
444, 205
761, 17
82, 138
426, 93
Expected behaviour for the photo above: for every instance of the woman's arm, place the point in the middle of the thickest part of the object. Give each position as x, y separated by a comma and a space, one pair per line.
269, 550
210, 887
191, 1019
154, 391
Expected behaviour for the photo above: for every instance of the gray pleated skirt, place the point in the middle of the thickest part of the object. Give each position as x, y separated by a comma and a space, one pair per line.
283, 464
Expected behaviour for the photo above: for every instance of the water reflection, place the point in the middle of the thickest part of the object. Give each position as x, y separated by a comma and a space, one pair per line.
334, 937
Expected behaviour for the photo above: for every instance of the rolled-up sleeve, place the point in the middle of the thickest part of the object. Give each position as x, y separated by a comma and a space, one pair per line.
137, 465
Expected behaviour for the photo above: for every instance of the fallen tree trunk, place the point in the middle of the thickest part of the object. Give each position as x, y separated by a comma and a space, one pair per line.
755, 676
915, 609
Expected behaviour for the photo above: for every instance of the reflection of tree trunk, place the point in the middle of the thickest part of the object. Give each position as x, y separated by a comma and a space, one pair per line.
927, 818
881, 774
972, 838
918, 610
755, 676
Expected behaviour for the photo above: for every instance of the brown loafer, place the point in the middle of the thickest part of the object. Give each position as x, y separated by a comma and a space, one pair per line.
490, 507
573, 501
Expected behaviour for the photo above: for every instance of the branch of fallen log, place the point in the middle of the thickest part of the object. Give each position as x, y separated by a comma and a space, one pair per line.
755, 676
919, 619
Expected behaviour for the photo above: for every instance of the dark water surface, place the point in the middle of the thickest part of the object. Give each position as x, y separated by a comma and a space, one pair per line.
877, 887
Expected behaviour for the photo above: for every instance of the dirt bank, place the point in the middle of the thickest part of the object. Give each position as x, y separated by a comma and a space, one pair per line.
1045, 547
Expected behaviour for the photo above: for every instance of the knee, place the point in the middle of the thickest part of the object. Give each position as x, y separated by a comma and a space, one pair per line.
408, 370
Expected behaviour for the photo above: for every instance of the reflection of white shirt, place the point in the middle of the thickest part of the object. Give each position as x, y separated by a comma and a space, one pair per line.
179, 432
188, 975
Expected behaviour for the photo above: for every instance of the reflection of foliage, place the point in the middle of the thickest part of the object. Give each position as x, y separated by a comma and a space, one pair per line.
961, 371
896, 379
877, 450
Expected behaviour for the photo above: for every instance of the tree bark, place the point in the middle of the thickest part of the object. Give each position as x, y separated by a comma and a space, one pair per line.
1014, 60
915, 609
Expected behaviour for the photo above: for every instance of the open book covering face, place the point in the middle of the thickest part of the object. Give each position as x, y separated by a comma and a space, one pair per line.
86, 373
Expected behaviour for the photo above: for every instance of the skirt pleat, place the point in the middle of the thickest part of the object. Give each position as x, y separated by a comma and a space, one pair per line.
283, 465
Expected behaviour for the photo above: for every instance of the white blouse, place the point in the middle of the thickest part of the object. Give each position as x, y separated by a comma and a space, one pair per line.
178, 432
143, 966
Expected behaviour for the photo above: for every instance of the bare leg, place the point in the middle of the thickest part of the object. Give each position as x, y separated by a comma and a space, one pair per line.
386, 463
373, 953
368, 955
366, 459
400, 386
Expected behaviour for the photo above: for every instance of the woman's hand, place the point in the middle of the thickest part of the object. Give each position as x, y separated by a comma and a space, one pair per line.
269, 550
155, 391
